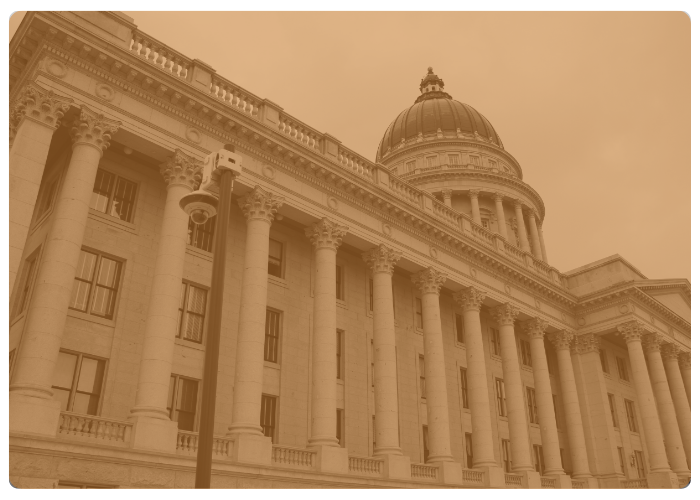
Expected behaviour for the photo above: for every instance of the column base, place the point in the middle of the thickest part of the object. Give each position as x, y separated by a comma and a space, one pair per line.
396, 466
252, 449
662, 480
35, 416
331, 459
154, 434
449, 472
561, 481
494, 477
531, 479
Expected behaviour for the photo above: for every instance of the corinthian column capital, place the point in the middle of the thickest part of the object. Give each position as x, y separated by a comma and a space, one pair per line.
684, 360
180, 169
652, 342
498, 197
586, 343
505, 314
326, 234
473, 193
429, 280
470, 298
93, 129
41, 105
669, 352
561, 340
631, 330
535, 327
382, 259
260, 205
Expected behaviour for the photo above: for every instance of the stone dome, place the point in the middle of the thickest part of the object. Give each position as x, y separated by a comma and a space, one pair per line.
436, 115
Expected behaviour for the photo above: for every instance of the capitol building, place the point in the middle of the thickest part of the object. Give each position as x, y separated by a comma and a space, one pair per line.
387, 323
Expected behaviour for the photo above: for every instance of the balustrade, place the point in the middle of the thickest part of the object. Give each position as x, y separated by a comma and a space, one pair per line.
578, 485
472, 476
514, 480
234, 96
548, 483
92, 427
353, 162
635, 484
160, 55
299, 132
293, 457
405, 191
422, 471
515, 253
365, 465
187, 443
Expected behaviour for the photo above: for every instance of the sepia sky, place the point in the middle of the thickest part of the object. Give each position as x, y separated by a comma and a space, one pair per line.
594, 106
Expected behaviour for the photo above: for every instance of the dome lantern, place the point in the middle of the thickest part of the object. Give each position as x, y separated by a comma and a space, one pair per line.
432, 87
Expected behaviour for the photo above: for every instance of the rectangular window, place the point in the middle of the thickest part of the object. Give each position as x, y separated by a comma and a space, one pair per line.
339, 426
78, 382
525, 354
485, 223
469, 450
113, 195
27, 280
421, 369
201, 235
371, 294
495, 342
95, 285
272, 335
268, 414
459, 327
505, 454
339, 282
492, 164
419, 313
190, 319
556, 412
639, 461
500, 397
622, 369
431, 161
410, 166
604, 360
371, 358
47, 198
539, 458
426, 447
631, 417
474, 160
463, 385
532, 405
274, 259
374, 434
339, 354
182, 401
453, 159
613, 412
621, 456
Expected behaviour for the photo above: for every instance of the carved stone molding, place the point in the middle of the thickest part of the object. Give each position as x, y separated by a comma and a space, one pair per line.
470, 298
326, 234
684, 360
41, 105
505, 314
669, 352
473, 193
535, 327
446, 194
561, 340
429, 280
93, 129
631, 330
382, 259
260, 205
589, 342
652, 342
180, 169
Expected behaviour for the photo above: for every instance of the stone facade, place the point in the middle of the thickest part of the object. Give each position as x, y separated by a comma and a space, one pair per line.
385, 324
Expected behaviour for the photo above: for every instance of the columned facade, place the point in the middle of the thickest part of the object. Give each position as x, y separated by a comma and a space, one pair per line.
684, 364
522, 232
669, 353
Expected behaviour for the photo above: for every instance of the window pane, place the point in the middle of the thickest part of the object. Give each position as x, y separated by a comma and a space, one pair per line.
272, 327
187, 395
91, 372
100, 192
171, 388
197, 302
194, 328
65, 370
62, 395
123, 201
201, 236
85, 403
460, 328
109, 273
183, 291
79, 299
274, 266
86, 265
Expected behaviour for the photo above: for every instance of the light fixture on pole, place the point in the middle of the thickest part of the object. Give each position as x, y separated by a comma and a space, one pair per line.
212, 197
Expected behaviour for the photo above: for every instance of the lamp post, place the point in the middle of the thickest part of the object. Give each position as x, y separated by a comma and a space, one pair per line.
218, 172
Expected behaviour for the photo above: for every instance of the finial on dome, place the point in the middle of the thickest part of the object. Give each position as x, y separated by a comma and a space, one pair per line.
432, 86
430, 70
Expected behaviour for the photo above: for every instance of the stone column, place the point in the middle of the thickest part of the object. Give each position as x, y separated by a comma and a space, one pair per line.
518, 427
535, 329
684, 365
572, 409
660, 475
429, 281
669, 353
326, 237
259, 209
537, 250
32, 409
664, 406
540, 234
522, 233
447, 197
500, 215
474, 198
34, 118
152, 426
469, 301
381, 261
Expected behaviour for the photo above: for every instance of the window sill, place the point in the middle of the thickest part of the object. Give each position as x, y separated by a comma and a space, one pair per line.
270, 364
112, 221
199, 253
91, 318
274, 280
341, 303
191, 345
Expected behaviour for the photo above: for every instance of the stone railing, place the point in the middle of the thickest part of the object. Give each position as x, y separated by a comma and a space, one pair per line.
472, 476
635, 484
445, 166
422, 471
483, 234
406, 191
548, 483
293, 457
355, 163
449, 216
160, 55
514, 480
104, 430
234, 96
515, 253
187, 443
365, 466
542, 268
300, 132
578, 485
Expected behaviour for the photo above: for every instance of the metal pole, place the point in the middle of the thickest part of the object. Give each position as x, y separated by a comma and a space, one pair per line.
211, 355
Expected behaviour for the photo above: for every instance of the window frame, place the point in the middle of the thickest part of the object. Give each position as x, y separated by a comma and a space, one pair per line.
371, 360
500, 392
430, 159
464, 387
277, 339
459, 329
631, 416
556, 411
604, 361
613, 411
538, 451
76, 378
525, 353
469, 450
173, 402
410, 166
640, 464
26, 285
339, 354
195, 230
340, 426
621, 456
533, 417
45, 204
340, 282
272, 414
181, 312
418, 313
93, 284
421, 376
426, 442
110, 198
453, 156
506, 459
495, 341
281, 259
622, 372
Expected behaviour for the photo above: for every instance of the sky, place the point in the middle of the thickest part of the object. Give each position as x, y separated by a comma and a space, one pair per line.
594, 106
